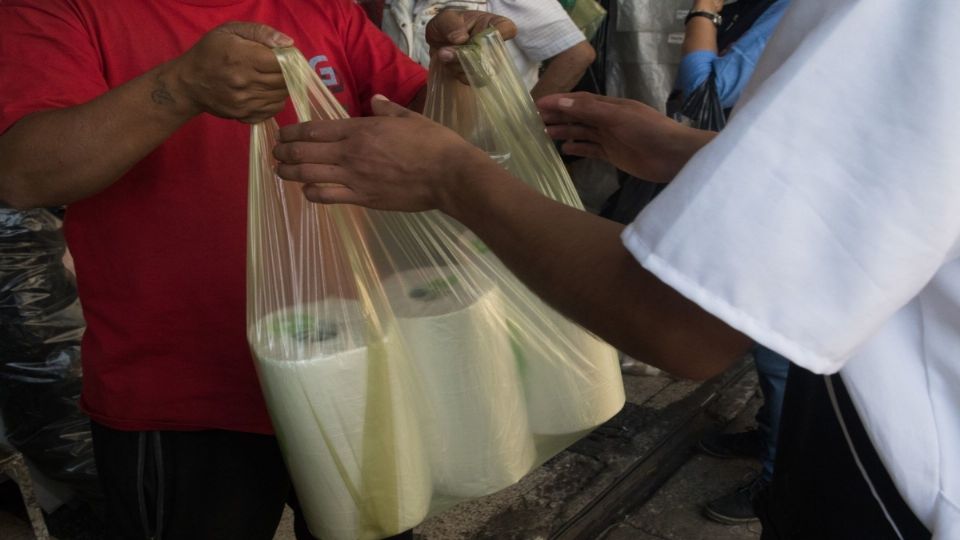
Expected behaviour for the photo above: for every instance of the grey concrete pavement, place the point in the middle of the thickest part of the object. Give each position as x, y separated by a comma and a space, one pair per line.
676, 511
593, 485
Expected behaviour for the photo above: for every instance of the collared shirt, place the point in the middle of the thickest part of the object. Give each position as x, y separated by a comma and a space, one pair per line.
824, 223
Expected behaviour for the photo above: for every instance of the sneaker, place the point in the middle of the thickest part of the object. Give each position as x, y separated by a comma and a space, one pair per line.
737, 507
746, 444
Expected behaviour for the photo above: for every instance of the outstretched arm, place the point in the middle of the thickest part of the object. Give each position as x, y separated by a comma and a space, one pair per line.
628, 134
572, 259
57, 157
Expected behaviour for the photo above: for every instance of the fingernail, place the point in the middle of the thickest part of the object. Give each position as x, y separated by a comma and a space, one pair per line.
457, 36
565, 102
380, 97
446, 55
282, 40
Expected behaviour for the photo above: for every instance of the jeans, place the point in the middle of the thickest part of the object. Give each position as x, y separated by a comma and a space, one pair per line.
772, 370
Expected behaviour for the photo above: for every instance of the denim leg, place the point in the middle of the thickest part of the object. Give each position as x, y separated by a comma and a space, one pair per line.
772, 370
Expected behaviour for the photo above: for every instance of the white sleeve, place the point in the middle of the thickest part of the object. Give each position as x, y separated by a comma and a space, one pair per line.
544, 29
833, 195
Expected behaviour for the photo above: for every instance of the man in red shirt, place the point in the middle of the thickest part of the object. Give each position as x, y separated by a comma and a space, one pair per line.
101, 109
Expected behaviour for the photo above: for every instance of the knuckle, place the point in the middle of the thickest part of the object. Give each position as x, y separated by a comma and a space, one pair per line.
236, 80
295, 152
239, 101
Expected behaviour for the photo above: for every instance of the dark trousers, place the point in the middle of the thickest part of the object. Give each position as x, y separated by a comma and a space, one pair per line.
818, 491
204, 485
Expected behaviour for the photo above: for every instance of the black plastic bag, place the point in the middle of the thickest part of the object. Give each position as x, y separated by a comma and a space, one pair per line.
702, 108
40, 329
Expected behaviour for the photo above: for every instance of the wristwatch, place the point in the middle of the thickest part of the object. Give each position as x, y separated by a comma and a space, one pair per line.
715, 18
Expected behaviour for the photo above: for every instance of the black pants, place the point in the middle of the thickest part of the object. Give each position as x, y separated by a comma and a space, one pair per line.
818, 491
204, 485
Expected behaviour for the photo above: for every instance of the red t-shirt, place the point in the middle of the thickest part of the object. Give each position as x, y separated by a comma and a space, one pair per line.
161, 254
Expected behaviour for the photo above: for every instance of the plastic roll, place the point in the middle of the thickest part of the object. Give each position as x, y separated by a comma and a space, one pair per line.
346, 423
454, 326
571, 379
572, 382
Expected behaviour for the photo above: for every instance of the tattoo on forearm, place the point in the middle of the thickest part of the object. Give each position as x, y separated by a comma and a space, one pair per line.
160, 95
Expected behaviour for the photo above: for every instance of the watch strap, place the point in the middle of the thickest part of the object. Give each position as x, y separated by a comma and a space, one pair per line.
715, 18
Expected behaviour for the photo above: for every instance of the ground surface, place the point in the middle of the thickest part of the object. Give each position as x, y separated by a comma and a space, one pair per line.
579, 481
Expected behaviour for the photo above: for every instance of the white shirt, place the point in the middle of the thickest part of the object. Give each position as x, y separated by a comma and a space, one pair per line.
544, 29
824, 222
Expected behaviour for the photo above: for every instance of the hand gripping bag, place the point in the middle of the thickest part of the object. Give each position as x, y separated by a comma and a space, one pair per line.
386, 350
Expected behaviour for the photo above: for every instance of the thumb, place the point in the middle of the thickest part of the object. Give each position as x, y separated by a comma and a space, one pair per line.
381, 106
260, 33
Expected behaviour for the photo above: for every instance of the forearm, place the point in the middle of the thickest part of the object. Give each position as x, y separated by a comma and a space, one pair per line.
577, 263
57, 157
701, 34
565, 70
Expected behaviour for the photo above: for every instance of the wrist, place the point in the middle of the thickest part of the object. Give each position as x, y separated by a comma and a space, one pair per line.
686, 142
470, 174
170, 91
713, 6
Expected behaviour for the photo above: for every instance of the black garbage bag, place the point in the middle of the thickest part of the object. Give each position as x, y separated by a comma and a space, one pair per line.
702, 108
40, 329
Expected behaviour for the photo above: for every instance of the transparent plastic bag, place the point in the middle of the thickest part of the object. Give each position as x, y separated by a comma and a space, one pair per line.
404, 368
496, 113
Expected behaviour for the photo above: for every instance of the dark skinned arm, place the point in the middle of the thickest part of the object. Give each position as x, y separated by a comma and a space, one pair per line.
572, 259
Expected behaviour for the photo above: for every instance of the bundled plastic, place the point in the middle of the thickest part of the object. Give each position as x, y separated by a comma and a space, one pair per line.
702, 108
404, 367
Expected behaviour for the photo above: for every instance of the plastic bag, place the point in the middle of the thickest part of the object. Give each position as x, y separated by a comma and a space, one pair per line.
497, 114
404, 369
40, 329
702, 108
588, 15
